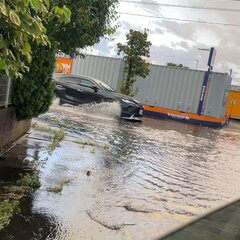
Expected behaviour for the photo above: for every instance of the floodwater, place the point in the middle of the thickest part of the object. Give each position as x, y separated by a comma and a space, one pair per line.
137, 181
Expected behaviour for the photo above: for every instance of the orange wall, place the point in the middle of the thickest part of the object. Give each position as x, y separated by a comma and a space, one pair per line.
63, 65
233, 110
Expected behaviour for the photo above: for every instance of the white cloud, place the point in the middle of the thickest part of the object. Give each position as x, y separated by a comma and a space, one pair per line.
179, 41
207, 37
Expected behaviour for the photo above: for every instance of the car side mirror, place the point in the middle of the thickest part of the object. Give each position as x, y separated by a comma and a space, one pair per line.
95, 88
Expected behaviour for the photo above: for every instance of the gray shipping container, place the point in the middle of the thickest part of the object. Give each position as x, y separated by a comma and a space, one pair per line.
171, 88
109, 70
216, 99
165, 87
180, 89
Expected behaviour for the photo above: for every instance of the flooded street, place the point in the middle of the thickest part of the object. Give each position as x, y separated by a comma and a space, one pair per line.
121, 180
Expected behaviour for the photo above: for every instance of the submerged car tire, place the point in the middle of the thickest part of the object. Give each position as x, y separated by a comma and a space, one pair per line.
61, 102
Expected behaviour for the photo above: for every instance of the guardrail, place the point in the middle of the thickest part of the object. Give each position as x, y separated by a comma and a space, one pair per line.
5, 91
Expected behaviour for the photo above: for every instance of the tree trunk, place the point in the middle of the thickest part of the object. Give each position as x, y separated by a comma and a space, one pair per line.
128, 80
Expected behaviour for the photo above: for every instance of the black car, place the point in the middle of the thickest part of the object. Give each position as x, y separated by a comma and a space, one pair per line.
76, 90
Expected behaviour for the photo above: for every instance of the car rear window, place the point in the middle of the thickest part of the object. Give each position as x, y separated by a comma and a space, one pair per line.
71, 80
105, 86
87, 83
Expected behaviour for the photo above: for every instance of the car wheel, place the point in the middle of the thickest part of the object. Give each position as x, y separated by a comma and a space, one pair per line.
61, 102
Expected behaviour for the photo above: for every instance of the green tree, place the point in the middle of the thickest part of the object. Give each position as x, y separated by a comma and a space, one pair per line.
176, 65
90, 20
134, 52
22, 22
33, 93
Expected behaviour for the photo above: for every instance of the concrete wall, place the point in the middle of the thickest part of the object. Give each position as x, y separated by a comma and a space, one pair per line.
10, 128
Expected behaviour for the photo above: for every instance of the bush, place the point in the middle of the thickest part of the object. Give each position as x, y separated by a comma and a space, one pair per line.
33, 94
30, 181
7, 210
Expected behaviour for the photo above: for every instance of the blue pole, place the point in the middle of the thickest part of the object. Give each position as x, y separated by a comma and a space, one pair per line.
203, 92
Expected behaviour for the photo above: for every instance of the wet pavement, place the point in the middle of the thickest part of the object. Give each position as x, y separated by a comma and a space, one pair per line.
119, 180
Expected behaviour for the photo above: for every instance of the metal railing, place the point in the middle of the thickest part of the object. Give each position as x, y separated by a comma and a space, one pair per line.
5, 91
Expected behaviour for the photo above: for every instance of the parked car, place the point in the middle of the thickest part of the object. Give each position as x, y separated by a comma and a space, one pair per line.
77, 90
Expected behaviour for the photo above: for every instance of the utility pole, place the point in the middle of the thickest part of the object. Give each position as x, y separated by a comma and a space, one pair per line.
207, 77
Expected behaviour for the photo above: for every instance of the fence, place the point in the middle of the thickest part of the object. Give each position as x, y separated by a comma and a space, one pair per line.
5, 91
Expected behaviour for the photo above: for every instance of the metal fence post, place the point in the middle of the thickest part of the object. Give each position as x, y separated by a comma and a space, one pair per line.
8, 91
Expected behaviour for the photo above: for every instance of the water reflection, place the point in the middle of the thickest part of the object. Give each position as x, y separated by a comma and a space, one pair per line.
30, 224
151, 177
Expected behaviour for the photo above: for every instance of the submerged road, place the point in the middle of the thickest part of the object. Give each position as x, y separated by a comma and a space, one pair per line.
122, 180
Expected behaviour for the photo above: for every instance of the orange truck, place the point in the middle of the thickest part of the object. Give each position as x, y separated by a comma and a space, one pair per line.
233, 104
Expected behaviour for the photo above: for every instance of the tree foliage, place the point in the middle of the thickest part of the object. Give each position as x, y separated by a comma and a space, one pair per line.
176, 65
33, 93
90, 21
22, 22
134, 52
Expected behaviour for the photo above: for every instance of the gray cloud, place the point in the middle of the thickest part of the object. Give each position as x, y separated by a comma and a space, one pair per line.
150, 9
185, 38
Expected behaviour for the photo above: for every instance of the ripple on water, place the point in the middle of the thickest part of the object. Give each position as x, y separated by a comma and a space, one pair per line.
153, 176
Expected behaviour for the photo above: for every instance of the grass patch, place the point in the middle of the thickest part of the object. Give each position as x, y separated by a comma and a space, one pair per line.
7, 210
106, 147
58, 137
67, 122
53, 119
56, 189
29, 181
43, 128
59, 188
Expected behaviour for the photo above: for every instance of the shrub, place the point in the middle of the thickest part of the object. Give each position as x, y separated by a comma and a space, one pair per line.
30, 181
33, 94
7, 210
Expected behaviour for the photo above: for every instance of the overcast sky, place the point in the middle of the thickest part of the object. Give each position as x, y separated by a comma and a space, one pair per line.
178, 42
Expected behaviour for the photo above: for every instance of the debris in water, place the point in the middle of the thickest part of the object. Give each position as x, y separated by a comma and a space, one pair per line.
132, 209
87, 143
59, 188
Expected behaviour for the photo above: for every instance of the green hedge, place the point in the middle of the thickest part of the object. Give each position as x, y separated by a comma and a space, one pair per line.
33, 94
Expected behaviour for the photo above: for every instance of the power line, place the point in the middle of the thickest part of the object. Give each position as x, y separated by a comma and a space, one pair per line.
182, 6
181, 20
